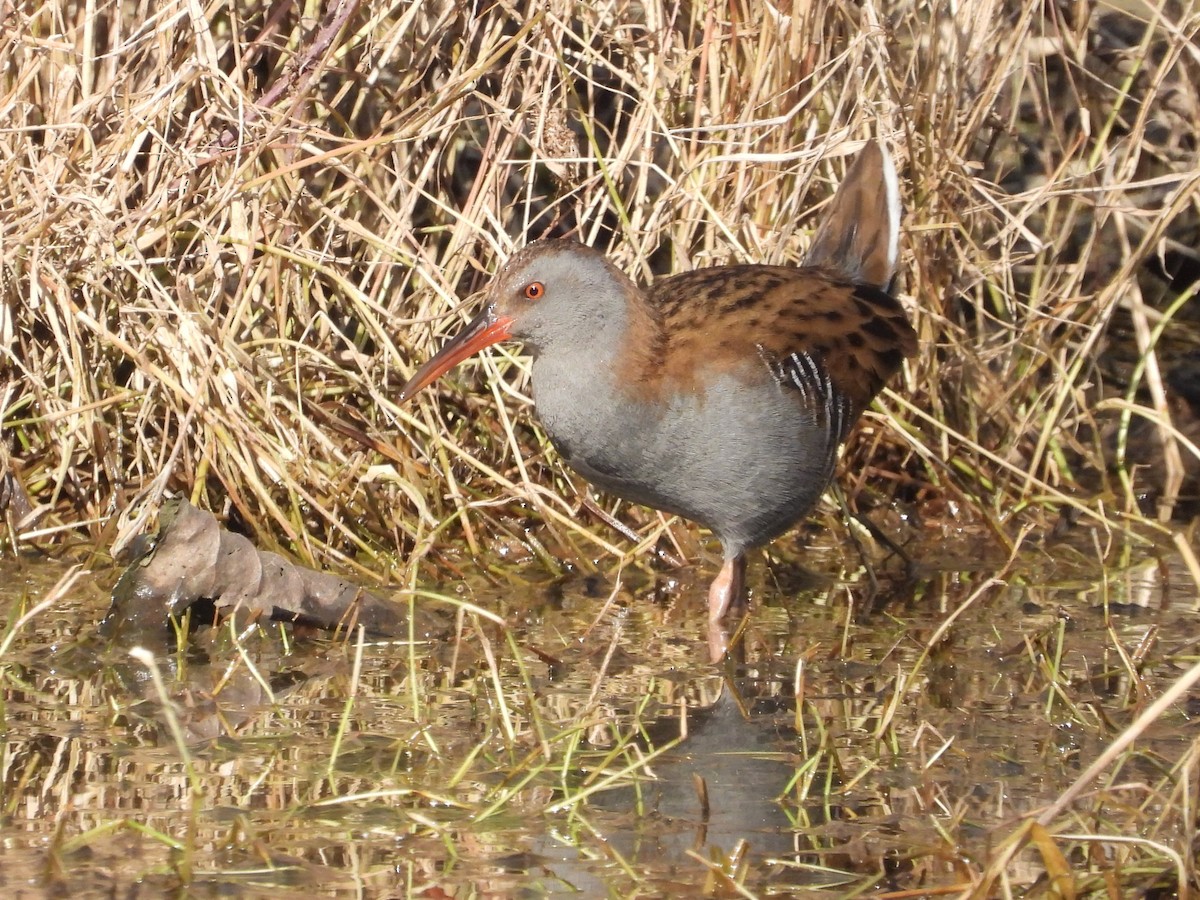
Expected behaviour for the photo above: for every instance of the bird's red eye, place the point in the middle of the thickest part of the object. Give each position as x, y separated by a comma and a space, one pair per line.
534, 290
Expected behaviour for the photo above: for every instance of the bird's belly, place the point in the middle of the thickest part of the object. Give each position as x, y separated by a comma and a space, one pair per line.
747, 463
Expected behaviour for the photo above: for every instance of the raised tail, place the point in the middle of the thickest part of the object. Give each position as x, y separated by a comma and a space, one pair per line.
860, 234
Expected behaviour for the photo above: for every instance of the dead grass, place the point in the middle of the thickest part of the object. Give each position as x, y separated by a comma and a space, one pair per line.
227, 232
225, 237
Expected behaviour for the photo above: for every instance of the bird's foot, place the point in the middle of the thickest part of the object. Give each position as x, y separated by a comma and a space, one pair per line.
726, 594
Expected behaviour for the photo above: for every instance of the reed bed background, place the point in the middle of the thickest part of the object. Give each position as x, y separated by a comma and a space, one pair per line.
229, 231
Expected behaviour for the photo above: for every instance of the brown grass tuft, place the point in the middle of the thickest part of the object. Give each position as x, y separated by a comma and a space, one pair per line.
225, 239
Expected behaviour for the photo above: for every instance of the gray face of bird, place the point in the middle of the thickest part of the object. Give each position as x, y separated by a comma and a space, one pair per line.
563, 293
859, 235
553, 293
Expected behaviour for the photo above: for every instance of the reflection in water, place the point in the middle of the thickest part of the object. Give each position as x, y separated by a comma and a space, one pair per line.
452, 767
718, 790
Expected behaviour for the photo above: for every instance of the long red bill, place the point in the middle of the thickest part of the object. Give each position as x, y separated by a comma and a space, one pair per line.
484, 330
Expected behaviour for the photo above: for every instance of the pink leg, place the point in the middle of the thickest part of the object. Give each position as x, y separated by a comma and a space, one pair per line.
728, 589
727, 592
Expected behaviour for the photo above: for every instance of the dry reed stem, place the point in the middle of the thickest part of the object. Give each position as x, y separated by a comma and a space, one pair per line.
226, 234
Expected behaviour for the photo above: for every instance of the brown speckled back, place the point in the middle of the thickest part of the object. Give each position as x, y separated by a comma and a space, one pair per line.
734, 313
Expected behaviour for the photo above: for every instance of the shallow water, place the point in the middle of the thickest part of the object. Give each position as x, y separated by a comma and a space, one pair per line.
855, 742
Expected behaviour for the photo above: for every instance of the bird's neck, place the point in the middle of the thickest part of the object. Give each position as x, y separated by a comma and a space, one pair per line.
579, 383
614, 343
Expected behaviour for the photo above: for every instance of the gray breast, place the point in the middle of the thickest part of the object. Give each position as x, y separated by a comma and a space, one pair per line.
747, 458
